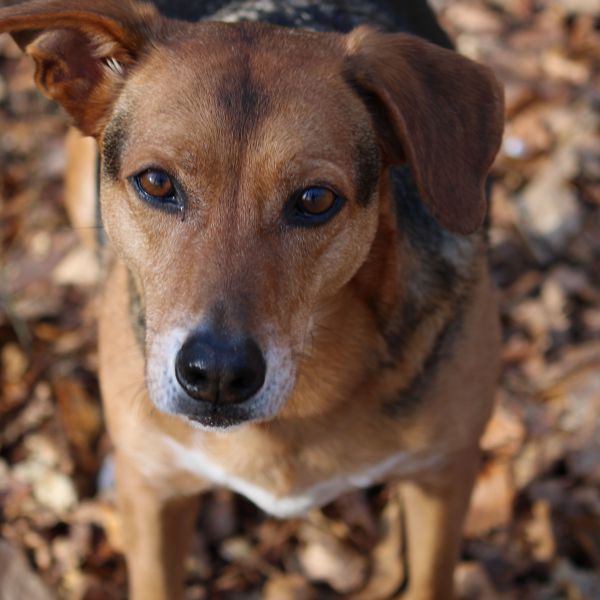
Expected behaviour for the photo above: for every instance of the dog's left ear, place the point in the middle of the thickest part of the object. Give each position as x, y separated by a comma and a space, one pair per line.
438, 111
82, 50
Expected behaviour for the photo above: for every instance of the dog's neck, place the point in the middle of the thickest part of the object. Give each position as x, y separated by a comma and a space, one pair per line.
418, 293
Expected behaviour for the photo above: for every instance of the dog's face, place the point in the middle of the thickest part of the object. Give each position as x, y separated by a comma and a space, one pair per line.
239, 184
241, 167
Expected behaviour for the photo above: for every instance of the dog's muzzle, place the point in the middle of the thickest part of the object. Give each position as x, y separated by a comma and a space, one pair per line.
216, 379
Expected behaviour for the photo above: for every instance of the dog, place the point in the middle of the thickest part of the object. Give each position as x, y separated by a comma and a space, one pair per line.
297, 297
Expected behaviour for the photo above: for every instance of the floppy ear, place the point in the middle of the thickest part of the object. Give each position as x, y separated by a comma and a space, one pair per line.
82, 50
436, 110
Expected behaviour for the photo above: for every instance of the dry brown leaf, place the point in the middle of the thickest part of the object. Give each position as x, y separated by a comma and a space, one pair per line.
79, 267
545, 254
324, 558
539, 534
81, 420
288, 587
505, 432
473, 583
387, 572
17, 579
492, 500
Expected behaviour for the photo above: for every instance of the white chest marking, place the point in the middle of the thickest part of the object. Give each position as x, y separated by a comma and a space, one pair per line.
196, 462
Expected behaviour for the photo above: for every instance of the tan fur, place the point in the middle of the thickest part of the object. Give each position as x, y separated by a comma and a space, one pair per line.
381, 359
80, 186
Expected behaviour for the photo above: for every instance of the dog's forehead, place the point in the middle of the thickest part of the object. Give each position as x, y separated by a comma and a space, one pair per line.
218, 89
234, 76
278, 47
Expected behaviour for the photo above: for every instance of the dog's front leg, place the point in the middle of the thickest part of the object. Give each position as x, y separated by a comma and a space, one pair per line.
156, 535
434, 510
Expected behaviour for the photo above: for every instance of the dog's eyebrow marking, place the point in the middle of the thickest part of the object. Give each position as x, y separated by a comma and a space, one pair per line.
243, 101
113, 142
367, 165
240, 100
367, 159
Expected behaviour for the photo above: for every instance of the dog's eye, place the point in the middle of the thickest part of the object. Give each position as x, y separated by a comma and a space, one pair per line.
314, 206
316, 200
157, 187
157, 184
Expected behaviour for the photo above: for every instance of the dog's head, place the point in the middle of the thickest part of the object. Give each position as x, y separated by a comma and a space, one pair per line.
243, 169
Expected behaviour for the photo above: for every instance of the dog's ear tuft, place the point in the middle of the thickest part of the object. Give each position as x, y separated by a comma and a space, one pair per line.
82, 50
439, 111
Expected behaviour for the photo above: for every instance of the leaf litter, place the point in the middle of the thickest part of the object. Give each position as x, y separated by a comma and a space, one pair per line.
533, 530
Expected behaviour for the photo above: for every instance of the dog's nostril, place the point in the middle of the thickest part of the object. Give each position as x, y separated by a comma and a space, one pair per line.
200, 376
245, 380
220, 370
194, 379
239, 383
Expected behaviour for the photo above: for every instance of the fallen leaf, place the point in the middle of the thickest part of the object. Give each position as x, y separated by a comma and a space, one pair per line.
324, 558
17, 579
288, 587
492, 500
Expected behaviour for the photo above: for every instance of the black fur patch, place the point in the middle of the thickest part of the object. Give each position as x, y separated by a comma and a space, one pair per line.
367, 166
442, 285
242, 100
328, 15
410, 396
426, 236
113, 143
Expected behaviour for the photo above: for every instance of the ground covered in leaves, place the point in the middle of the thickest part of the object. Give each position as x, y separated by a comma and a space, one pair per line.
533, 531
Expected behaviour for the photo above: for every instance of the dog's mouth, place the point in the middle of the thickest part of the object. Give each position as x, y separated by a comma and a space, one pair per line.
214, 415
212, 402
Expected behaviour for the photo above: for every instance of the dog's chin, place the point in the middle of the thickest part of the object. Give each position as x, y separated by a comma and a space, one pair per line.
210, 416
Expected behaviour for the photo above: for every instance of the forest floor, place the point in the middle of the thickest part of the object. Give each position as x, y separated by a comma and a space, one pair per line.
533, 531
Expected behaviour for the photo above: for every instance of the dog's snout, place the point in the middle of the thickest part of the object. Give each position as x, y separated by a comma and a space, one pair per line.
217, 369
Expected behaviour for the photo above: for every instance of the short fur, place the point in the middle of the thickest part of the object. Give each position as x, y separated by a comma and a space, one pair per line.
378, 328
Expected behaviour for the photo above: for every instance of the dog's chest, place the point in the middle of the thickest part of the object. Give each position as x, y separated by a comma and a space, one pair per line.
258, 482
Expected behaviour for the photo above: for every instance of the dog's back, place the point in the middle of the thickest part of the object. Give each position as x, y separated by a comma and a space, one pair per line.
411, 16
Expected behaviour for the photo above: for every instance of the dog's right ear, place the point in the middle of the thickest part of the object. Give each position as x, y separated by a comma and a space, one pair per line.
82, 50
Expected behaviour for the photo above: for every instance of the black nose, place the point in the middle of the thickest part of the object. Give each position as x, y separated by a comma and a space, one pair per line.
218, 369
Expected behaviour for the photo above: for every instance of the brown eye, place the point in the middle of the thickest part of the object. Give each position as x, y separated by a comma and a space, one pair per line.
156, 184
158, 188
313, 206
316, 201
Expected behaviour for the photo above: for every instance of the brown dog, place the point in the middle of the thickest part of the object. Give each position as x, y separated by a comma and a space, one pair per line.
298, 299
